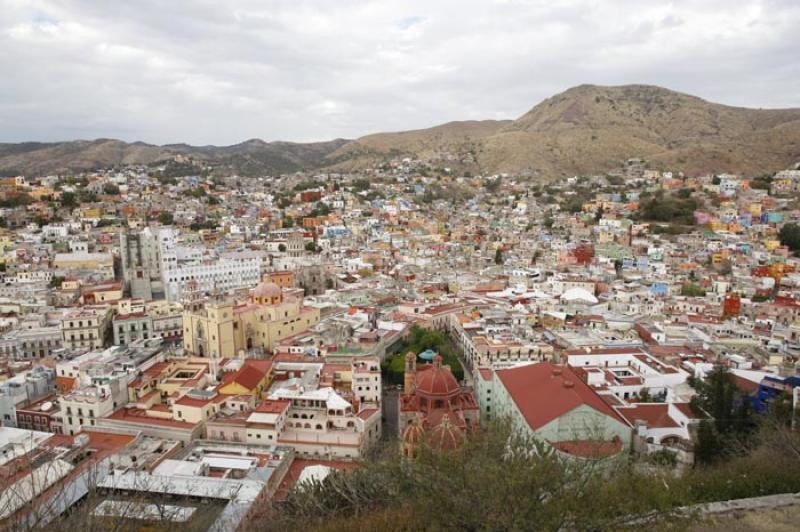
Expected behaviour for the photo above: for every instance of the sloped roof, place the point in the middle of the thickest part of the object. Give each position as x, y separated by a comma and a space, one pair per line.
656, 415
545, 391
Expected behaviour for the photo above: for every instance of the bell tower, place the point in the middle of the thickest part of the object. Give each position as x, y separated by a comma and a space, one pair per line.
410, 376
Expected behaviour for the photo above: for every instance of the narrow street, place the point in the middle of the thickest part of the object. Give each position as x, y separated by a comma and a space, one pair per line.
390, 394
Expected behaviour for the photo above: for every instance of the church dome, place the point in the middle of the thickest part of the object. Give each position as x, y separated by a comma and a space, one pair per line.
413, 433
446, 435
267, 291
437, 380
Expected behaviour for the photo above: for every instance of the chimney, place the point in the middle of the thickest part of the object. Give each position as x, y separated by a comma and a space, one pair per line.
568, 384
556, 371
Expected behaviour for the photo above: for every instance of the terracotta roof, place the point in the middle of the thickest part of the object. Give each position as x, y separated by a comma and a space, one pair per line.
589, 449
135, 415
436, 381
271, 406
745, 385
544, 392
251, 374
656, 415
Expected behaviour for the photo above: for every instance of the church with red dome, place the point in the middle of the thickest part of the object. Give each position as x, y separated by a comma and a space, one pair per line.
434, 408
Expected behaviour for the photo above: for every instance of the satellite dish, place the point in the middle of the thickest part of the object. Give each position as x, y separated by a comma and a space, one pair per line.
46, 407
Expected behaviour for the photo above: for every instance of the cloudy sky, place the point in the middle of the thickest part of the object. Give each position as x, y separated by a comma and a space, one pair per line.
219, 72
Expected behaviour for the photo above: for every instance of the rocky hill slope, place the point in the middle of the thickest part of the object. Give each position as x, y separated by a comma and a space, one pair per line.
590, 129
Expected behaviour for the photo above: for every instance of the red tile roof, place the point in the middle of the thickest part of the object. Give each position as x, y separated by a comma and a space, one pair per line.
276, 406
545, 391
589, 449
656, 415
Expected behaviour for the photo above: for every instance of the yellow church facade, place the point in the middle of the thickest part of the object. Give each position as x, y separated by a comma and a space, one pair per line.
223, 328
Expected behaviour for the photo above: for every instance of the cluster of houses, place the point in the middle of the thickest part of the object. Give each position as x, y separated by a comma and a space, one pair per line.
230, 337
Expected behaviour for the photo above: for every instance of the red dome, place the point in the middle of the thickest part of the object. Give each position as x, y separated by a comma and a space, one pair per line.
445, 436
437, 381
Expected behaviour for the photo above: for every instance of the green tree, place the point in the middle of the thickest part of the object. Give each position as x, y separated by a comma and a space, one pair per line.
498, 256
733, 416
15, 199
282, 248
68, 200
790, 236
166, 218
707, 447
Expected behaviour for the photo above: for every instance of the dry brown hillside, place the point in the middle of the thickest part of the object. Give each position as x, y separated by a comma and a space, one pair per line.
589, 129
251, 158
586, 129
452, 137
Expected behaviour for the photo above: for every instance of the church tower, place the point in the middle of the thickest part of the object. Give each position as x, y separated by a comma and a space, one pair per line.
410, 376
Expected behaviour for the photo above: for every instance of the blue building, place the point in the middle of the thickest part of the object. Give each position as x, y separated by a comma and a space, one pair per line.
771, 387
659, 289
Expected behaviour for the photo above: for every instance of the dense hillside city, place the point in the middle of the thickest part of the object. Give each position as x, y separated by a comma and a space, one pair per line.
227, 352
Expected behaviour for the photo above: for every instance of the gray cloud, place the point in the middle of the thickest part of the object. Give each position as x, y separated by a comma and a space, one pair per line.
220, 72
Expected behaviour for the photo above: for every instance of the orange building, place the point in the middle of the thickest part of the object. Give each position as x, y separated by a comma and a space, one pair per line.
731, 306
284, 279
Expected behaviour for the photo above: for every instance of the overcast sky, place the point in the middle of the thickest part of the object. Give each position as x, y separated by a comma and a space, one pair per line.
223, 71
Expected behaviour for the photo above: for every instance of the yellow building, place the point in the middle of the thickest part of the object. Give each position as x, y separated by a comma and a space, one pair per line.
221, 328
92, 213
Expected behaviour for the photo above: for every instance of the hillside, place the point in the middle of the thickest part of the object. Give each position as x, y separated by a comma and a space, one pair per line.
586, 129
253, 157
589, 129
452, 137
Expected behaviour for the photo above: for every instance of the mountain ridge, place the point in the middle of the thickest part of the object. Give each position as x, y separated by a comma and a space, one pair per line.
585, 129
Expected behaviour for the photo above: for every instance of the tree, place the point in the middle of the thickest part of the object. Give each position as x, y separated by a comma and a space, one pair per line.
282, 248
707, 447
111, 189
68, 200
288, 221
790, 236
311, 246
733, 415
56, 281
499, 479
498, 256
16, 200
692, 290
166, 218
